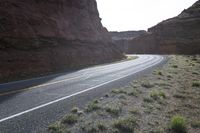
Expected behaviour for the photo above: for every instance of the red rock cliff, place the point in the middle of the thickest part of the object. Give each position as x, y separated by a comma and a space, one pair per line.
178, 35
42, 36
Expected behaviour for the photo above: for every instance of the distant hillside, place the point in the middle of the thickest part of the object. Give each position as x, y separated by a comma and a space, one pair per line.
44, 36
121, 39
180, 35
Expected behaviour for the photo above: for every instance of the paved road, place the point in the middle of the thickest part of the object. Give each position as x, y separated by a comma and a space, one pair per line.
29, 106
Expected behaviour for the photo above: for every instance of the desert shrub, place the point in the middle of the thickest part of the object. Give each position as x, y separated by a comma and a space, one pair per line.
178, 124
114, 110
70, 119
196, 84
94, 127
148, 100
157, 94
93, 106
126, 124
147, 85
75, 110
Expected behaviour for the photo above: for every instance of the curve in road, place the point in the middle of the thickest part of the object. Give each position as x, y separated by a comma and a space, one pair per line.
24, 101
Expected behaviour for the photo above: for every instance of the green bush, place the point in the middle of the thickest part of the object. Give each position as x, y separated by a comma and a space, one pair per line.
178, 124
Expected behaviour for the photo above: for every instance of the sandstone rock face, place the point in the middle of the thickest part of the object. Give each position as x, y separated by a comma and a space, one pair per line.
42, 36
179, 35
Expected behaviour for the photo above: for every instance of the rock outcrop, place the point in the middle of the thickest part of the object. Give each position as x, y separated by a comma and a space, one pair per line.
178, 35
44, 36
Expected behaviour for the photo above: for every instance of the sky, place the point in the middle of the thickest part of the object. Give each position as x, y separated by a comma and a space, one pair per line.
124, 15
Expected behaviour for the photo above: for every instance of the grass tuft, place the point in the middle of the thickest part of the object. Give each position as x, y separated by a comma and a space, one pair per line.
75, 110
148, 100
113, 110
70, 119
94, 127
196, 84
134, 111
55, 128
178, 124
134, 92
125, 124
92, 106
160, 73
162, 94
119, 91
175, 66
147, 85
195, 124
157, 94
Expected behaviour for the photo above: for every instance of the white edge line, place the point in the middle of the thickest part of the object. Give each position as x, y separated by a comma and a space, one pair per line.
77, 93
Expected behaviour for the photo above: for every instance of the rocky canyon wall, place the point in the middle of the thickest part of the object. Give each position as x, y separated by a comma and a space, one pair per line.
38, 37
178, 35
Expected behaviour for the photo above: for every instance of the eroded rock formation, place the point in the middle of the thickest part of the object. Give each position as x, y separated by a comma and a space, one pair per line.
178, 35
42, 36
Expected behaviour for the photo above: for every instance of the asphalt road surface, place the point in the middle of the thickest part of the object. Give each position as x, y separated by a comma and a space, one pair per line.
29, 106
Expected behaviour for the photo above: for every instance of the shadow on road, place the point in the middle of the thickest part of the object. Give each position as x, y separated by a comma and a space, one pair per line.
8, 90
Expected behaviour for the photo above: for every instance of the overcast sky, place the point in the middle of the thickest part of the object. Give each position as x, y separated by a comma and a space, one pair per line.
122, 15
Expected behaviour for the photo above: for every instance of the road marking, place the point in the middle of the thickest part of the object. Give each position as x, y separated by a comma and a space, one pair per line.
77, 93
